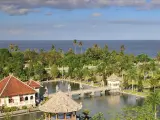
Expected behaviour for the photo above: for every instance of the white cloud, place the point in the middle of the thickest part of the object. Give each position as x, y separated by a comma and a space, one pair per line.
20, 7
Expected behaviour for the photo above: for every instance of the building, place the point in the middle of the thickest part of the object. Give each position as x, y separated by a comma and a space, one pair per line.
114, 82
14, 92
35, 85
62, 106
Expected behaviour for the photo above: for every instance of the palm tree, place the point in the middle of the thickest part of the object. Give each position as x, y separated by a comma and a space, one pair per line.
154, 100
152, 67
95, 46
75, 44
122, 48
132, 75
154, 81
80, 45
158, 56
11, 47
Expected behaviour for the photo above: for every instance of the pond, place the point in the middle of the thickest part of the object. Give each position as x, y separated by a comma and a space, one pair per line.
107, 104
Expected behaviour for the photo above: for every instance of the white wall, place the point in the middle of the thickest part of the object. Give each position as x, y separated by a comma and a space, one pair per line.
17, 103
114, 84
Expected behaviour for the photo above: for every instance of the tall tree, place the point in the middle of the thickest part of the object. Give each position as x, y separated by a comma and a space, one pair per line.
154, 81
132, 74
80, 45
54, 71
154, 100
122, 48
75, 45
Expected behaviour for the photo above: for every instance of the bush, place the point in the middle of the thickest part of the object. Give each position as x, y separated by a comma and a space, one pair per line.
14, 108
86, 112
24, 107
6, 109
10, 109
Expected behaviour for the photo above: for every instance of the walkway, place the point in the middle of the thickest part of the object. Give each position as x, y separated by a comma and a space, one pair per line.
90, 91
72, 81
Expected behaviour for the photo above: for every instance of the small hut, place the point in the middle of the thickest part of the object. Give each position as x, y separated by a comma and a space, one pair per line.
61, 104
114, 81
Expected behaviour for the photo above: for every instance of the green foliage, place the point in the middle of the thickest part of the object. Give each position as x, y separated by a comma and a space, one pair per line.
98, 116
54, 71
86, 112
147, 111
7, 116
144, 112
35, 64
10, 109
24, 107
143, 58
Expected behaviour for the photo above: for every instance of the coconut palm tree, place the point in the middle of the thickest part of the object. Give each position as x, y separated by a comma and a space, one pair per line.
154, 81
75, 45
154, 100
95, 46
158, 56
122, 48
11, 47
152, 67
80, 45
132, 75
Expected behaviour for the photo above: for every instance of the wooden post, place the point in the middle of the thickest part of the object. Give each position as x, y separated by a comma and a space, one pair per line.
56, 117
72, 116
49, 116
45, 116
64, 116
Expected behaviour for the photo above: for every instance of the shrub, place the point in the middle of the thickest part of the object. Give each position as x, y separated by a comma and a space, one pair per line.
86, 112
6, 109
24, 107
10, 109
14, 108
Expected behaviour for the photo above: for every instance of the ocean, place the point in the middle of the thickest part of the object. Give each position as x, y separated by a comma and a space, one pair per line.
136, 47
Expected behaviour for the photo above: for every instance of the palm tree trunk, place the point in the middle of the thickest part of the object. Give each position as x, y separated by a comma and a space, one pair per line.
75, 49
81, 50
132, 85
155, 112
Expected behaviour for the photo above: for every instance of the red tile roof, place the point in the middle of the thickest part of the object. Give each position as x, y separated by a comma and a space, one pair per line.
33, 84
12, 86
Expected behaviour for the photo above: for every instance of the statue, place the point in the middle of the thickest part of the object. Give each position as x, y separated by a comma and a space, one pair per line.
69, 87
46, 92
92, 83
80, 86
102, 83
57, 88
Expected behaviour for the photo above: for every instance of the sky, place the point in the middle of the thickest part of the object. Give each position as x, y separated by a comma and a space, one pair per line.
80, 19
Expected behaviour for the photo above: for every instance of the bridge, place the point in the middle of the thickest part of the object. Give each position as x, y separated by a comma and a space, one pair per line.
72, 81
90, 91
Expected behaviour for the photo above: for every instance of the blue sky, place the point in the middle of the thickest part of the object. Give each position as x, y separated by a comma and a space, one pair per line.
80, 19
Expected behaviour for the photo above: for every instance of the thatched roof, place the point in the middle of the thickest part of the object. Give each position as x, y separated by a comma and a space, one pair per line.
114, 77
60, 103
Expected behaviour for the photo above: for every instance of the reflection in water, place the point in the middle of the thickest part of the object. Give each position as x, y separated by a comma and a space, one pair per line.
104, 104
113, 100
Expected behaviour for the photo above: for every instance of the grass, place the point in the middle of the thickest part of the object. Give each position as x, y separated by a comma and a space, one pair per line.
145, 93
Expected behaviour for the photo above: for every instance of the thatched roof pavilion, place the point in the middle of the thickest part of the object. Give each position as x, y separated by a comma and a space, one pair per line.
61, 103
114, 77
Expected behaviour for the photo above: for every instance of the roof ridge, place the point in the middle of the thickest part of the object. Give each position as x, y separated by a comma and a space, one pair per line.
6, 85
37, 82
24, 83
3, 79
30, 82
